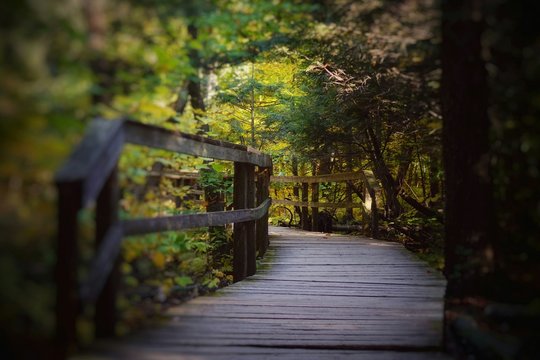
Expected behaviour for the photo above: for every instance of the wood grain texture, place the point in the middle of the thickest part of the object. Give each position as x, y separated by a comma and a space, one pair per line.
317, 296
191, 221
161, 138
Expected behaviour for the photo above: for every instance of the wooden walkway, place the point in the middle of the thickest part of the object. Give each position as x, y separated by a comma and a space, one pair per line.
318, 296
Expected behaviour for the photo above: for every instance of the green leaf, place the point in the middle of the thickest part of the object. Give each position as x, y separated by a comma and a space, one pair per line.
183, 281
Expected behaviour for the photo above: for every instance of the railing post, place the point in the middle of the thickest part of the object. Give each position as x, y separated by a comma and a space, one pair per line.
265, 217
315, 210
306, 225
106, 217
239, 235
251, 246
67, 297
260, 226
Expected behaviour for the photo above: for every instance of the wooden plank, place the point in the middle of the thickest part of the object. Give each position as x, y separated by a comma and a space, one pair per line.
318, 178
147, 351
157, 137
342, 205
191, 221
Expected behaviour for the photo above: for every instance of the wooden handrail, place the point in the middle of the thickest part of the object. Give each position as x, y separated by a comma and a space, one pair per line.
317, 178
191, 221
94, 158
156, 137
90, 174
339, 205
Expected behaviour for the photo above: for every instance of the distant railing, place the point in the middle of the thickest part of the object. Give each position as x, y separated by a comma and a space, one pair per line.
307, 182
90, 175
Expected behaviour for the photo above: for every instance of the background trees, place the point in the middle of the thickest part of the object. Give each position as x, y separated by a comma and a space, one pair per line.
370, 102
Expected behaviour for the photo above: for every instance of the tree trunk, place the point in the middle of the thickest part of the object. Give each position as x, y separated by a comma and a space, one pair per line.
194, 83
434, 183
252, 106
381, 170
466, 150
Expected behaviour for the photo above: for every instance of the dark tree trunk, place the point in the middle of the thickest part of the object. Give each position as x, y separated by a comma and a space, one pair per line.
181, 98
382, 172
422, 209
404, 166
434, 181
296, 187
466, 150
194, 83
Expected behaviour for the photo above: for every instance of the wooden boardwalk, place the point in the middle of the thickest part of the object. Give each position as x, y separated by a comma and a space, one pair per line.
317, 296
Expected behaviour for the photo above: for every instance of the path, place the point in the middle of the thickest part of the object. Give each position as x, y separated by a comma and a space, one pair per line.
318, 296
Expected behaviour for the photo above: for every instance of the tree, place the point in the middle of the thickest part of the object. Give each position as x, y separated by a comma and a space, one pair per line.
374, 97
468, 210
491, 223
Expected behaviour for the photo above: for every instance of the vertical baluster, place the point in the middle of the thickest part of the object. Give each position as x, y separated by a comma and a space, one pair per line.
266, 187
260, 226
67, 299
315, 210
106, 217
239, 236
306, 225
251, 246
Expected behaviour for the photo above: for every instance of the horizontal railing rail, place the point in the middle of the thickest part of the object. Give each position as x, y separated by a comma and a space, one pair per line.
191, 221
318, 178
329, 205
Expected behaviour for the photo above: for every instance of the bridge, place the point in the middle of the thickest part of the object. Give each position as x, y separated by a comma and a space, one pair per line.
315, 295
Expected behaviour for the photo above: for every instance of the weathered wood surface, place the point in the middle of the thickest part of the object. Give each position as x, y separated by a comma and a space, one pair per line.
156, 137
320, 296
191, 221
93, 159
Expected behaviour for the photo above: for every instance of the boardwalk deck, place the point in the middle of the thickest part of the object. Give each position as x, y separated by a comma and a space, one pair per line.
318, 296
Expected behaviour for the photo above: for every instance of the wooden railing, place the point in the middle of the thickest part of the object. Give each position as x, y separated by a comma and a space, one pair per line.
307, 182
90, 175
